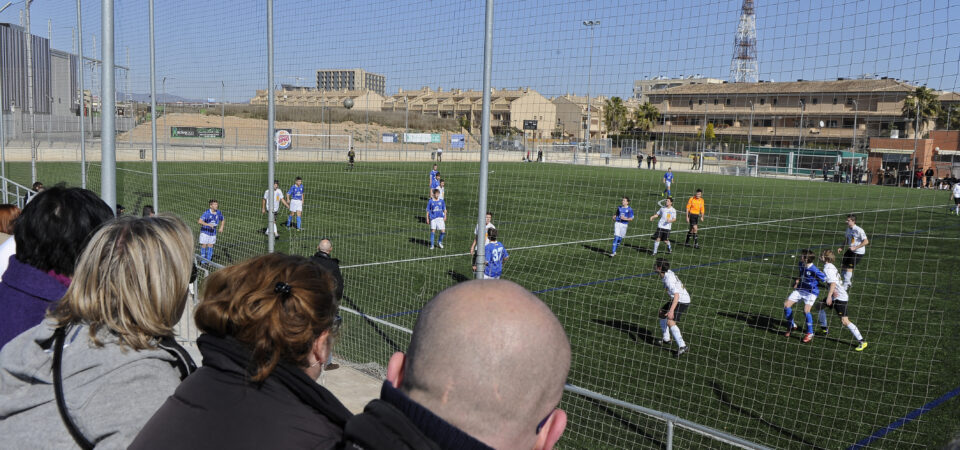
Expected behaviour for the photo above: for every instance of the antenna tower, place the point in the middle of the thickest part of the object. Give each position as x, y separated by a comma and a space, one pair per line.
743, 68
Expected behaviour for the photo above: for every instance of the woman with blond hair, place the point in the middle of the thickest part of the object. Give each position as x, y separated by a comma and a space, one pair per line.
268, 325
104, 359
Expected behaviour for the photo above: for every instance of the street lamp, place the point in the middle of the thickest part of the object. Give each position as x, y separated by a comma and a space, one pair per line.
589, 24
800, 126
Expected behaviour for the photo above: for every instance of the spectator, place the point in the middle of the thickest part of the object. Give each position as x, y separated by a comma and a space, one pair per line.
929, 175
268, 324
654, 158
8, 213
826, 170
49, 236
332, 265
869, 174
539, 155
148, 211
918, 178
639, 160
37, 188
120, 209
649, 158
108, 345
485, 368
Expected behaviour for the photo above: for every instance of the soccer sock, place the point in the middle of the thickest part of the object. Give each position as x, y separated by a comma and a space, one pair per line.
288, 220
696, 239
822, 315
809, 317
298, 222
847, 275
788, 314
210, 253
616, 240
856, 331
689, 233
675, 331
669, 248
663, 327
656, 245
431, 238
442, 234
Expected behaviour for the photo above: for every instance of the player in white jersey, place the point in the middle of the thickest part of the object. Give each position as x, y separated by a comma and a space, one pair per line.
671, 311
837, 299
666, 215
486, 238
277, 201
442, 187
956, 198
855, 241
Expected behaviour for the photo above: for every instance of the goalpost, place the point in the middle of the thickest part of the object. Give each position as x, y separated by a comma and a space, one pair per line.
312, 147
742, 164
557, 152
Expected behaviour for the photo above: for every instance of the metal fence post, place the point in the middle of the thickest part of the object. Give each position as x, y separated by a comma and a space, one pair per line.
154, 176
669, 435
485, 135
271, 222
108, 149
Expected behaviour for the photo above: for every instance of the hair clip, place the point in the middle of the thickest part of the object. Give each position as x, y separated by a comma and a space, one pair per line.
282, 288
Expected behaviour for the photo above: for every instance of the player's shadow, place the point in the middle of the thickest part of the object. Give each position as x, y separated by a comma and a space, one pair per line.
422, 242
636, 247
424, 198
421, 219
758, 321
457, 276
724, 398
595, 249
634, 331
629, 425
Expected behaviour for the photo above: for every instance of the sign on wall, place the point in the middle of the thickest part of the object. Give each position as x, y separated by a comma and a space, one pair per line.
457, 140
284, 139
193, 132
421, 138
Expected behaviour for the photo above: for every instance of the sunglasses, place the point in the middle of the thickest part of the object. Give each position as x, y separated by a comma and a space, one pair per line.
544, 421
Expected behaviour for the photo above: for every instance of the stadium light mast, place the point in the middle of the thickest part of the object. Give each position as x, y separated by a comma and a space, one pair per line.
589, 24
744, 67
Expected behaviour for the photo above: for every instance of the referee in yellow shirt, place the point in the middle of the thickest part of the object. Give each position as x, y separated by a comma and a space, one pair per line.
695, 213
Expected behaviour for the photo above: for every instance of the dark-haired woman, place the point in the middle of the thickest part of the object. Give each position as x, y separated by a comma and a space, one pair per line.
268, 326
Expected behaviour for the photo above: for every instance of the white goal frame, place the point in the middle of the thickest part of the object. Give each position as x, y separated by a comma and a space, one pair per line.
298, 146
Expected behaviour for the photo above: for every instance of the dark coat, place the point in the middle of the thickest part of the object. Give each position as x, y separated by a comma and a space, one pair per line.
333, 266
25, 295
219, 407
397, 422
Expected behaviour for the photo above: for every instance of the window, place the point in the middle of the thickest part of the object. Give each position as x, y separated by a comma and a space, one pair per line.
728, 102
834, 100
763, 101
774, 101
691, 102
700, 102
716, 101
816, 100
850, 101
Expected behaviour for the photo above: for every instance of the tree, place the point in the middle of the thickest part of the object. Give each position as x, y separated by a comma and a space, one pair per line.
464, 122
645, 117
949, 118
614, 114
710, 132
929, 107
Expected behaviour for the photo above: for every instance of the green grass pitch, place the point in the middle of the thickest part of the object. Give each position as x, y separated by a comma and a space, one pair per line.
741, 375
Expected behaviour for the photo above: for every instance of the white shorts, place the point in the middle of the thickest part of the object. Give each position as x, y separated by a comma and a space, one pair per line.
667, 183
438, 224
208, 239
620, 229
488, 277
296, 205
806, 297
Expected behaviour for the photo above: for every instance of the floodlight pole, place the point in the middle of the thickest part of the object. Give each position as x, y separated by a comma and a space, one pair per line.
589, 24
484, 138
271, 155
83, 103
154, 170
108, 150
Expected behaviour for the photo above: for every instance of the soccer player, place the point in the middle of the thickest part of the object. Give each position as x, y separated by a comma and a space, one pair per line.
956, 198
695, 214
837, 299
667, 216
804, 288
211, 222
437, 215
442, 187
671, 311
433, 179
350, 156
495, 254
667, 181
621, 219
855, 241
476, 233
277, 200
295, 201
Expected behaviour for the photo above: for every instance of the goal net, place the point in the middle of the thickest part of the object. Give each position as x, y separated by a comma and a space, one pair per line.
314, 147
740, 164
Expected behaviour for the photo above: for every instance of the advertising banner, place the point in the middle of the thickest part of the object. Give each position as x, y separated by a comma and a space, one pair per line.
457, 140
193, 132
284, 139
389, 138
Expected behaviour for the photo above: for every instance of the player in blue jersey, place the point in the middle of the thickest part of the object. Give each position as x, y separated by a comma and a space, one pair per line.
295, 200
495, 254
434, 181
804, 288
667, 181
622, 217
437, 217
211, 222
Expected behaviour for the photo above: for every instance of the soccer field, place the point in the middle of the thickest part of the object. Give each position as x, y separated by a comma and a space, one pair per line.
741, 374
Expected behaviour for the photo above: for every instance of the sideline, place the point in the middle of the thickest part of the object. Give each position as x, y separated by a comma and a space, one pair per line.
909, 417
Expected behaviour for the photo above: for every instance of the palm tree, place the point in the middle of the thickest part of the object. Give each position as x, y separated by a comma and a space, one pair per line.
614, 114
929, 107
645, 117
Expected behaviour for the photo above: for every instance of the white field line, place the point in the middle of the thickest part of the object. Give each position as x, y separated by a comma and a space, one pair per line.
765, 222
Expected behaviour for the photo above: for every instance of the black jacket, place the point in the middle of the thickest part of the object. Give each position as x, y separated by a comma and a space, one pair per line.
397, 422
332, 265
219, 407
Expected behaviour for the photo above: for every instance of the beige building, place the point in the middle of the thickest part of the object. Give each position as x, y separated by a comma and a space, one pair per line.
363, 100
572, 116
788, 113
350, 80
643, 88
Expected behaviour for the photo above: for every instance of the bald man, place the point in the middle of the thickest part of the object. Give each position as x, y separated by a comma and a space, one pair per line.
485, 368
322, 257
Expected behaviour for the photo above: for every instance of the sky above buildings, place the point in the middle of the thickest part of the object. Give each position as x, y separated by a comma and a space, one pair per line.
208, 46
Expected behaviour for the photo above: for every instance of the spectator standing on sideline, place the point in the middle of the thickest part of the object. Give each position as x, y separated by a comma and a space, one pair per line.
509, 357
929, 175
37, 187
268, 324
826, 170
350, 156
331, 265
539, 155
49, 236
439, 154
649, 158
639, 160
654, 162
696, 157
148, 211
108, 345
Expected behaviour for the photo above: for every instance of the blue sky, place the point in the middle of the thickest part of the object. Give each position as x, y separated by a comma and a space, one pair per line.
538, 43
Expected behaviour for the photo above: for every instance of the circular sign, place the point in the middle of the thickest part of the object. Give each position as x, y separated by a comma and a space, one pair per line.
283, 139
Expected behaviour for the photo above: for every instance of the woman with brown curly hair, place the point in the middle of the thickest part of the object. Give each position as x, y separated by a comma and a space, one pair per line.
268, 326
8, 213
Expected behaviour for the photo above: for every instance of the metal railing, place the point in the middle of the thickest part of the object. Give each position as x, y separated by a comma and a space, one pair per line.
19, 193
